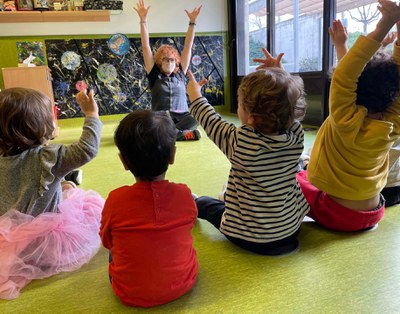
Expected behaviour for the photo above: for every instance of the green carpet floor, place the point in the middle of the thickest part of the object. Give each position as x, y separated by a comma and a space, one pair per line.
331, 272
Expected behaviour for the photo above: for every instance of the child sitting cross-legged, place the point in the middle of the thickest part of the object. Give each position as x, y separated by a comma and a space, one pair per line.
263, 206
349, 162
147, 226
338, 35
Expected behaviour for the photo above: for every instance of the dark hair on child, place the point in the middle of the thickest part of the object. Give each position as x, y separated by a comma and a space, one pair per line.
378, 85
274, 98
26, 120
146, 140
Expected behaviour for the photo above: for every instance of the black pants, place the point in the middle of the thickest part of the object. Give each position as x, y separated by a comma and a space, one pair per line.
184, 121
212, 210
391, 195
109, 261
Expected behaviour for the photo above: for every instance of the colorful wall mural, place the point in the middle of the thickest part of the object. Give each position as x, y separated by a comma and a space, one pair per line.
113, 67
30, 52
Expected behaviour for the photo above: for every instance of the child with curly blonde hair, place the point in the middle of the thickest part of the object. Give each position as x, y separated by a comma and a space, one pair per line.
263, 206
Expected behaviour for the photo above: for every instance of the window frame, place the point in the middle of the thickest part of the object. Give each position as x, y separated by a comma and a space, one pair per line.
329, 13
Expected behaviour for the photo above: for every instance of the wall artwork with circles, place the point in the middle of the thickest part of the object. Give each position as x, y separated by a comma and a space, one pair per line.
114, 68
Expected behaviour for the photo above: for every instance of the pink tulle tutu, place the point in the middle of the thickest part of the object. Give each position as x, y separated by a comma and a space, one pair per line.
42, 246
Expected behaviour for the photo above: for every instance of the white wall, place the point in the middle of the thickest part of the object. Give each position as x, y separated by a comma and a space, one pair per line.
165, 16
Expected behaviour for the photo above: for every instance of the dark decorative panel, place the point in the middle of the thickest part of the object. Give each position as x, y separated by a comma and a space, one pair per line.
119, 81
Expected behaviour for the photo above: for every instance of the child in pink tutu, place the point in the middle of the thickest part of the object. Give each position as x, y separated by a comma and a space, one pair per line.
43, 229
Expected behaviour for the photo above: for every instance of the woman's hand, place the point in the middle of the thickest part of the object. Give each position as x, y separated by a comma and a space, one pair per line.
142, 10
193, 15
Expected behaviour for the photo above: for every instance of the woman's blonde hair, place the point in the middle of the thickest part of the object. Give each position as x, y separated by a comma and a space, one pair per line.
274, 98
166, 51
26, 120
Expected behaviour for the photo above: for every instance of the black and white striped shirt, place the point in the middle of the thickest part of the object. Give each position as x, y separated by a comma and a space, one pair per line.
263, 201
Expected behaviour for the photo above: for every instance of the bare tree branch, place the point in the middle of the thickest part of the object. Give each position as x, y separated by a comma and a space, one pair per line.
365, 16
257, 22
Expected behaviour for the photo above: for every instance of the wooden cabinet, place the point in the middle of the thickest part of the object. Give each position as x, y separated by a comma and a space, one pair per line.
38, 78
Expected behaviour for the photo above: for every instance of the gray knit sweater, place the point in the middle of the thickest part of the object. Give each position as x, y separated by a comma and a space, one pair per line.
31, 180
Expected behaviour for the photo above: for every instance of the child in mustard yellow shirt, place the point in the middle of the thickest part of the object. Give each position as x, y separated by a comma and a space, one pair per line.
349, 161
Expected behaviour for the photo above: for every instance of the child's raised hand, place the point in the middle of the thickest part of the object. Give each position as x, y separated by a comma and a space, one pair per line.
389, 39
87, 103
338, 33
390, 15
390, 11
269, 61
193, 88
142, 10
193, 15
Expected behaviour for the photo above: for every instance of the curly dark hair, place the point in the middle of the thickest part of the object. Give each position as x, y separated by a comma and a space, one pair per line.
274, 98
26, 120
146, 141
379, 83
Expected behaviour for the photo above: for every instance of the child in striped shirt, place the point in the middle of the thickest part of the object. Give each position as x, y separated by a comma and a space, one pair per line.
264, 206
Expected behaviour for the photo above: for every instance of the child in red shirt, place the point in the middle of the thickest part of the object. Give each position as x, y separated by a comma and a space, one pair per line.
147, 226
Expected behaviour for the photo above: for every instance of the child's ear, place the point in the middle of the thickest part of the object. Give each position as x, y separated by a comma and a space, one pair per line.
250, 120
123, 161
172, 157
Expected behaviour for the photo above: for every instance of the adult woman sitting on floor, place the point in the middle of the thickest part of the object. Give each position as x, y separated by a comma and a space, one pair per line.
166, 72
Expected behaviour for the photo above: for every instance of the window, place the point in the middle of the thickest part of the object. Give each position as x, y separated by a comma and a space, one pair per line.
298, 34
299, 29
251, 33
359, 17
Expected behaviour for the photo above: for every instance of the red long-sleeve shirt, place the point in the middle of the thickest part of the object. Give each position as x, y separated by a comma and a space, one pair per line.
147, 227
